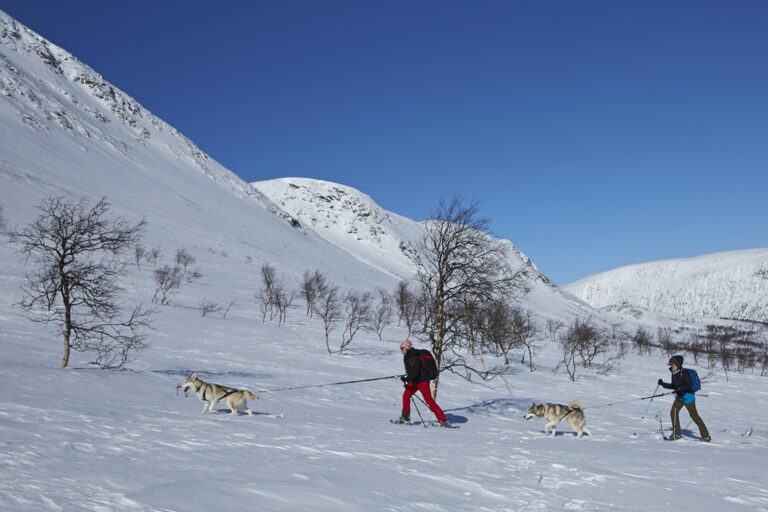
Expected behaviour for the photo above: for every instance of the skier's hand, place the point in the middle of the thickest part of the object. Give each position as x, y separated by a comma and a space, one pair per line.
404, 378
661, 382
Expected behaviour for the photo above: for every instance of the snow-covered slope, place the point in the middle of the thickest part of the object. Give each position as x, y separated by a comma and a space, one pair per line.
722, 285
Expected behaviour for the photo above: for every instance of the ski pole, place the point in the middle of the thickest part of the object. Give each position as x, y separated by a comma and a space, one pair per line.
418, 412
420, 399
649, 402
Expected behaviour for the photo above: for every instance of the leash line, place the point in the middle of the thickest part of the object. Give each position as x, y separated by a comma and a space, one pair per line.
323, 385
626, 401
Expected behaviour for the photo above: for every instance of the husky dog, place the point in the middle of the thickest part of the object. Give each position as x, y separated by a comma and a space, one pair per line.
211, 393
556, 413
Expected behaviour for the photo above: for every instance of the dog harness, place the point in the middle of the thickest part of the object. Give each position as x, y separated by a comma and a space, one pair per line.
225, 395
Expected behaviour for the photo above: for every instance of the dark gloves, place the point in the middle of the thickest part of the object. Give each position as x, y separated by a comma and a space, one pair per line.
661, 382
404, 378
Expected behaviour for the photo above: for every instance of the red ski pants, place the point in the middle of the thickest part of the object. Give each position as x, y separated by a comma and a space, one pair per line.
411, 389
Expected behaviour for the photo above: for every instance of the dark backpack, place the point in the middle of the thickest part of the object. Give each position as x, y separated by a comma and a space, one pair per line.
428, 366
695, 381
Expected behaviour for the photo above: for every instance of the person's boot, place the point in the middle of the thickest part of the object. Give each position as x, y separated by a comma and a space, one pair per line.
405, 417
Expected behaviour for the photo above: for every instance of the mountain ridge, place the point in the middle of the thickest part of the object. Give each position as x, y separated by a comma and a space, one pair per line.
727, 284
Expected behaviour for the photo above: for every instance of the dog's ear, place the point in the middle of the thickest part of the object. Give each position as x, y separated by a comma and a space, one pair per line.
193, 375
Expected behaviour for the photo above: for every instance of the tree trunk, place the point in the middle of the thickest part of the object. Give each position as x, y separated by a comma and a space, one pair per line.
67, 317
65, 359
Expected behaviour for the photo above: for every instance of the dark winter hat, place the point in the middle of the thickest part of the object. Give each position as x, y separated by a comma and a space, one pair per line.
677, 360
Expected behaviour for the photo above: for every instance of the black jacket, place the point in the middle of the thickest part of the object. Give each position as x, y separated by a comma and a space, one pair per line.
681, 383
413, 367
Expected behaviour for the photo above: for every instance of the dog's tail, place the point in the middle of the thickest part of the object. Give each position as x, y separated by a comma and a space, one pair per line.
249, 394
575, 405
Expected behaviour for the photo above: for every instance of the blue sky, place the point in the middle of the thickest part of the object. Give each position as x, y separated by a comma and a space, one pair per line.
595, 134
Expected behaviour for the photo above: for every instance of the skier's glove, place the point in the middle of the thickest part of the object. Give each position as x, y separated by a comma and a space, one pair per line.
661, 382
404, 378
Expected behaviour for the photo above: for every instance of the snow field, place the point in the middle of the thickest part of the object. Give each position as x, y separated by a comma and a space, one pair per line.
87, 439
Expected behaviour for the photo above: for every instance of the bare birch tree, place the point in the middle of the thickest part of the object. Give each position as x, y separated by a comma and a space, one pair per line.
310, 284
407, 306
328, 307
381, 313
357, 308
78, 255
459, 262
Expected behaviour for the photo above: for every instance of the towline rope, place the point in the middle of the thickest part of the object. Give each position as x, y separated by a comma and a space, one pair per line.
327, 384
630, 400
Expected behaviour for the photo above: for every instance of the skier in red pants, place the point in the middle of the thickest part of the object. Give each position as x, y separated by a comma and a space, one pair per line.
416, 378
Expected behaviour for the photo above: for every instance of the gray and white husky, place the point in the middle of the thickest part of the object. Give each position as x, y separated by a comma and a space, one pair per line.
211, 393
556, 413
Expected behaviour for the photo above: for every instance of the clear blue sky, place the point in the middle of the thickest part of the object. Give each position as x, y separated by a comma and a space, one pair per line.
594, 133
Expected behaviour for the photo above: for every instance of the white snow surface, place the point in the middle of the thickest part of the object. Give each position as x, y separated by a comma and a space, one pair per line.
730, 285
84, 439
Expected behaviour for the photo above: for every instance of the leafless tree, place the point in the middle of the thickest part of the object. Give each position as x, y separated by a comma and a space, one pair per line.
266, 295
328, 307
641, 341
666, 342
283, 299
618, 339
208, 306
153, 255
381, 313
407, 306
693, 347
226, 309
497, 327
78, 256
357, 308
745, 357
184, 259
709, 345
591, 341
140, 252
458, 262
569, 345
581, 339
524, 333
273, 297
168, 280
553, 327
310, 284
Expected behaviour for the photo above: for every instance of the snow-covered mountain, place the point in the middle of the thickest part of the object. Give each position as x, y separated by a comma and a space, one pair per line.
346, 217
350, 219
64, 129
731, 285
